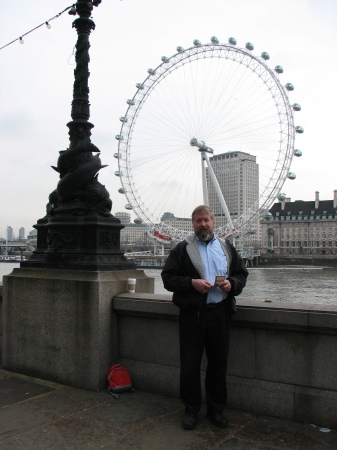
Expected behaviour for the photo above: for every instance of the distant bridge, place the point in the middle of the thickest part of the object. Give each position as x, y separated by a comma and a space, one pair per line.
18, 245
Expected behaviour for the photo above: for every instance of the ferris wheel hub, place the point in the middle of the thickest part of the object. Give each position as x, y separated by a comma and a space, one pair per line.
201, 146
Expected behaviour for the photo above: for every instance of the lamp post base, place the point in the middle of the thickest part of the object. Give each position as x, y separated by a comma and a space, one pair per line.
86, 242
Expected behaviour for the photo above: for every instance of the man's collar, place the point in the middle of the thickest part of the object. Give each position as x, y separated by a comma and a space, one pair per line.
206, 242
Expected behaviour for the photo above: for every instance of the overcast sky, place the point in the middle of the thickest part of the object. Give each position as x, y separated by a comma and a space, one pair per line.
36, 81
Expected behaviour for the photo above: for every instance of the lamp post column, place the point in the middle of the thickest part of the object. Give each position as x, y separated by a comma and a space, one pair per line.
79, 231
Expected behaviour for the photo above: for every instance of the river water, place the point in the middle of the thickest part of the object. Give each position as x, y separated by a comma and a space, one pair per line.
299, 285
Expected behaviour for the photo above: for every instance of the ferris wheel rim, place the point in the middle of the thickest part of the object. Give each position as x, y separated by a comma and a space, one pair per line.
166, 67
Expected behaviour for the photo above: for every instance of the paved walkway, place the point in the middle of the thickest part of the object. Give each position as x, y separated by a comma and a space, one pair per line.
36, 414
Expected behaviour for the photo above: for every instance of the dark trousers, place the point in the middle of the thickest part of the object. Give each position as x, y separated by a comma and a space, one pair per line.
209, 332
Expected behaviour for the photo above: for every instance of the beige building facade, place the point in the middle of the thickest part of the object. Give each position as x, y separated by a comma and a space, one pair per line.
238, 177
301, 227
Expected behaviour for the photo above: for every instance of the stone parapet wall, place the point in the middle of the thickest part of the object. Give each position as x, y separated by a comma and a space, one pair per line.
282, 362
57, 324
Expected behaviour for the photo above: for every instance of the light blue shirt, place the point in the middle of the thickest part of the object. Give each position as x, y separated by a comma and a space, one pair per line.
215, 263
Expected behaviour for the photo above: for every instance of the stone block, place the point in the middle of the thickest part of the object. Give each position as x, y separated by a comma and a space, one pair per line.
241, 358
297, 358
261, 397
58, 325
153, 378
149, 339
316, 406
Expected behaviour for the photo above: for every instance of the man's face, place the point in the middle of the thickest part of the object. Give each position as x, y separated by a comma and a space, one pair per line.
203, 226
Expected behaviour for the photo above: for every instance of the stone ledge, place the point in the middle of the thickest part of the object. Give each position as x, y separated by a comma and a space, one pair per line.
150, 305
87, 275
280, 315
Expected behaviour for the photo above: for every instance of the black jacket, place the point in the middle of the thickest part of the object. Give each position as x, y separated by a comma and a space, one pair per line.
184, 263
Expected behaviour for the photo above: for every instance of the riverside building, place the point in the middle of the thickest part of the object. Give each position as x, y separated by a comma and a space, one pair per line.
301, 227
238, 177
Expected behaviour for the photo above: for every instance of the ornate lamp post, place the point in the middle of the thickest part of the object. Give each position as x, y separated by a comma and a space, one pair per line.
79, 231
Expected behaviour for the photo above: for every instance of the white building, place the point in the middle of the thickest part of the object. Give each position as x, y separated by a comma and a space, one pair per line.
180, 223
301, 227
124, 217
134, 234
9, 233
238, 177
21, 233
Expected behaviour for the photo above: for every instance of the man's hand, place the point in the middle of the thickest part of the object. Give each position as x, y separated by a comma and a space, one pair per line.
225, 285
201, 286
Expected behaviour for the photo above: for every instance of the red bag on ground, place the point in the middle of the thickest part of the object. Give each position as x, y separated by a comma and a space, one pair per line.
119, 380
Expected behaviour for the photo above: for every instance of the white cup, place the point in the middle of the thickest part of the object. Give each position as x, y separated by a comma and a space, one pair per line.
131, 285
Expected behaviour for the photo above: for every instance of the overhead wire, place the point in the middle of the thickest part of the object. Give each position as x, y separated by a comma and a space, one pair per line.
46, 22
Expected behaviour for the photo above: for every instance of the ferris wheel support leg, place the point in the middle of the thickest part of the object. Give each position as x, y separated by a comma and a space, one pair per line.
218, 191
204, 180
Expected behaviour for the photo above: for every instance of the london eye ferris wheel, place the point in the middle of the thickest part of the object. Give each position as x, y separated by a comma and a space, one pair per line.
207, 100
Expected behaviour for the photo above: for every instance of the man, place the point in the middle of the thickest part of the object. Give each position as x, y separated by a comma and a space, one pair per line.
205, 310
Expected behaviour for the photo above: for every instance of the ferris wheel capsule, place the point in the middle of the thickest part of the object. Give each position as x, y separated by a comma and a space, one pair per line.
214, 40
196, 42
139, 86
180, 49
151, 71
299, 129
279, 69
265, 55
117, 173
291, 176
164, 59
138, 221
130, 102
249, 46
119, 137
116, 155
121, 190
128, 206
289, 87
123, 119
232, 41
297, 153
296, 107
267, 215
281, 196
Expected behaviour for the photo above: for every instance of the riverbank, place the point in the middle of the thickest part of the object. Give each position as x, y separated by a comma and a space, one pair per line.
267, 260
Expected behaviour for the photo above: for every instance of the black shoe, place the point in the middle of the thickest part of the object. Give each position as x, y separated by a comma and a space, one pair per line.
218, 419
189, 421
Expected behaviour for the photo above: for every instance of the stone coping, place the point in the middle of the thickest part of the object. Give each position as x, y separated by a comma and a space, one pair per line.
274, 315
87, 275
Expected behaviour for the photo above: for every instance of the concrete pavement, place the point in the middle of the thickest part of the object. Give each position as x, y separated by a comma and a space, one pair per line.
36, 414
